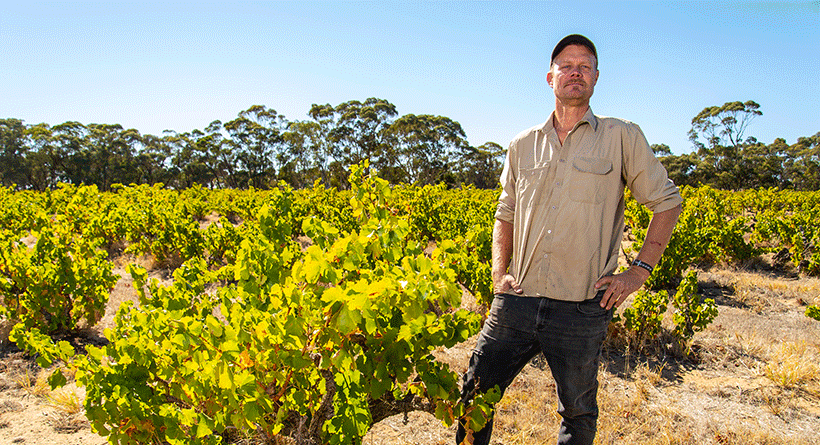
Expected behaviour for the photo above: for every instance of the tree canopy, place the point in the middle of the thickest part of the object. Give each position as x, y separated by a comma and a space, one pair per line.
257, 149
260, 148
724, 159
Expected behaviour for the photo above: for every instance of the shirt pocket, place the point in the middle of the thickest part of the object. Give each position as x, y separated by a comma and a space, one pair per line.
589, 178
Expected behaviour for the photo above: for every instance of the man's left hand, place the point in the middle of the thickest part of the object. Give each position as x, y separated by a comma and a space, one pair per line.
621, 285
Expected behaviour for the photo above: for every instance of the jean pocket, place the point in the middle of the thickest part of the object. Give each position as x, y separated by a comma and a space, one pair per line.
513, 312
592, 308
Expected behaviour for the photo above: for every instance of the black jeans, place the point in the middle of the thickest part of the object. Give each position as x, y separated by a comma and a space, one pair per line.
570, 336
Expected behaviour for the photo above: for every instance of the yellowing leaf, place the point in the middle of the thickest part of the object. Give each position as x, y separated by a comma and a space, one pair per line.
245, 360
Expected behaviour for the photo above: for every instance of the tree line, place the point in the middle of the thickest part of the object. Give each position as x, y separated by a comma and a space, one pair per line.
257, 149
723, 159
261, 147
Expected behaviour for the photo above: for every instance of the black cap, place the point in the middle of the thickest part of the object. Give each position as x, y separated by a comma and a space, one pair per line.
573, 39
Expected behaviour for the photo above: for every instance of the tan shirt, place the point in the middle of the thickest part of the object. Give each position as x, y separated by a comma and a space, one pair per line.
566, 202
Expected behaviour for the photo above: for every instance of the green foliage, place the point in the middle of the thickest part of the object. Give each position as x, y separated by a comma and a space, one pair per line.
36, 343
790, 223
691, 314
59, 283
466, 216
21, 211
813, 312
328, 204
644, 317
708, 231
474, 263
322, 335
479, 412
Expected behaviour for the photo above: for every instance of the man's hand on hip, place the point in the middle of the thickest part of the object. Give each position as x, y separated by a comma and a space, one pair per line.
506, 284
620, 286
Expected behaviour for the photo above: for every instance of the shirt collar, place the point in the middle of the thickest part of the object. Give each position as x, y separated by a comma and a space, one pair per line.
588, 118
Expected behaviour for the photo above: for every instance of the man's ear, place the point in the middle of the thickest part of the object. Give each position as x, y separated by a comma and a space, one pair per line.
549, 77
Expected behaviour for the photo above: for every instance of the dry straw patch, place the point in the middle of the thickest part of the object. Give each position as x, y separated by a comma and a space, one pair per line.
793, 364
66, 400
528, 412
67, 414
762, 293
32, 382
635, 410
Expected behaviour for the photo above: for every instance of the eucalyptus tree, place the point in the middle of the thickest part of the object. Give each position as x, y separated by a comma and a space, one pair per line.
802, 163
320, 132
111, 155
306, 156
154, 161
723, 126
661, 150
481, 166
43, 161
423, 145
69, 139
14, 146
359, 133
220, 155
256, 138
348, 134
761, 165
682, 169
722, 129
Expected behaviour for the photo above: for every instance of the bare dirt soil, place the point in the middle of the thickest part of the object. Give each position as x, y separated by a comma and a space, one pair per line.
753, 378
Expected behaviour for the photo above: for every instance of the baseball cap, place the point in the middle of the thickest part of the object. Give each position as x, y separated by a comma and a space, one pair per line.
573, 39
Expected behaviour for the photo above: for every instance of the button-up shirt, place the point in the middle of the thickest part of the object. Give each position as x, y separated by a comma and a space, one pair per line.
566, 202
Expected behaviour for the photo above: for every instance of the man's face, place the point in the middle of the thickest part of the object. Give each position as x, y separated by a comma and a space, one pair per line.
573, 75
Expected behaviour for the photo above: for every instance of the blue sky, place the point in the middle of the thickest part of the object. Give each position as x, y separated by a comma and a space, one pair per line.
180, 66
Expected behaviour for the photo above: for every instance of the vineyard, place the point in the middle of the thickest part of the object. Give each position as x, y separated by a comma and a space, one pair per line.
313, 314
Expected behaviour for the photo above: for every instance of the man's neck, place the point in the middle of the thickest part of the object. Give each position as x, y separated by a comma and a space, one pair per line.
565, 117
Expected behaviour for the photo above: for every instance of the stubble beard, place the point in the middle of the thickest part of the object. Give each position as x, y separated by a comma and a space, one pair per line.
573, 96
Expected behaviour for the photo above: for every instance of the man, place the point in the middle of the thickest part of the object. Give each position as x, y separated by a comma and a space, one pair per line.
556, 240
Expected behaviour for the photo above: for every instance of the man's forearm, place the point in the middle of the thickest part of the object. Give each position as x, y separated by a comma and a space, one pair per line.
658, 235
502, 248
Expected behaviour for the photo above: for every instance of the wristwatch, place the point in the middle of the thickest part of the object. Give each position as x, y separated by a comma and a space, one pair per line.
639, 263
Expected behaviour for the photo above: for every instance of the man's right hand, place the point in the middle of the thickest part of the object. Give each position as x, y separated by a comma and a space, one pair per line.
506, 284
503, 282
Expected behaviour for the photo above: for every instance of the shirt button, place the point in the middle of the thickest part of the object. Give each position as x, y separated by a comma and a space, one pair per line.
553, 207
562, 160
549, 231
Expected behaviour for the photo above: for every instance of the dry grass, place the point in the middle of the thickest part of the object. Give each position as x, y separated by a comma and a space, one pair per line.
32, 382
761, 293
10, 406
793, 364
66, 400
528, 412
67, 423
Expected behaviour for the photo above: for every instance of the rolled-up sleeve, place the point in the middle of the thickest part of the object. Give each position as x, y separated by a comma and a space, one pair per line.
506, 201
645, 176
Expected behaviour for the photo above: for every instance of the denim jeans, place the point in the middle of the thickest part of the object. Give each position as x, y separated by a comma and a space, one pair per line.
569, 334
